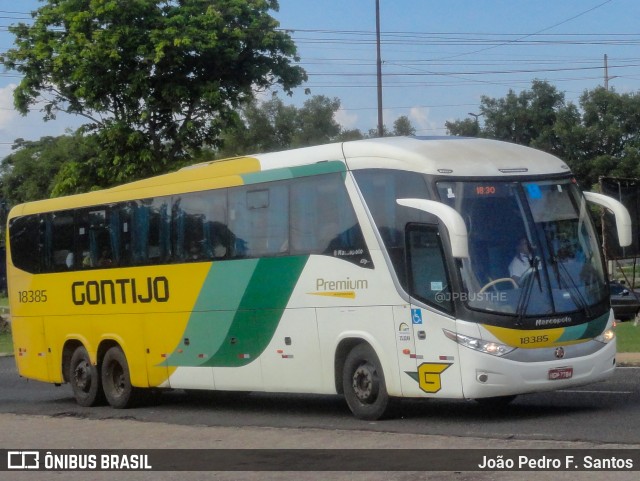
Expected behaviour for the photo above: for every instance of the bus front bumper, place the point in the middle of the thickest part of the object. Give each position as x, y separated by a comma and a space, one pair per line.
484, 375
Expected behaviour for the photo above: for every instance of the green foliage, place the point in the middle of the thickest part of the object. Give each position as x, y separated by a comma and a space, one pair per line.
37, 170
155, 80
402, 126
346, 135
463, 128
315, 123
599, 137
6, 342
271, 126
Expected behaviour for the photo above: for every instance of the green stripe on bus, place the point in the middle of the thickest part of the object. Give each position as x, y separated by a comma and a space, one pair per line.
585, 331
237, 312
214, 311
260, 311
328, 167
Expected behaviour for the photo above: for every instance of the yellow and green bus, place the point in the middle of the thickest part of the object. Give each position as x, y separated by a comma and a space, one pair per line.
377, 269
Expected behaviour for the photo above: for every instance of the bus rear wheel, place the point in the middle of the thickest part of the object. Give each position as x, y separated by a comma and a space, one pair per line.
363, 384
85, 379
116, 380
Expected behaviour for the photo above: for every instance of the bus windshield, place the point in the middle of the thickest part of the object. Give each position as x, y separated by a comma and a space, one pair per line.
532, 247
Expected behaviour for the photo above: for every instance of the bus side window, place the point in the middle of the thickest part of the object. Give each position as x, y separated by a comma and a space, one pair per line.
94, 243
59, 242
25, 240
259, 218
428, 279
199, 223
324, 222
381, 188
150, 236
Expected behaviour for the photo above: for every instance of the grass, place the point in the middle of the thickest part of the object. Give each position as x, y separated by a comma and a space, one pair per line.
6, 343
628, 336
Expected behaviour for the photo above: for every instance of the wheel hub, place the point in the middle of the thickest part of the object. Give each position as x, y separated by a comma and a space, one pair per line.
364, 384
82, 378
118, 378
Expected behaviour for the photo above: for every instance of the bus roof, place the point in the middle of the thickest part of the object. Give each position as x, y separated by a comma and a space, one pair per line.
455, 156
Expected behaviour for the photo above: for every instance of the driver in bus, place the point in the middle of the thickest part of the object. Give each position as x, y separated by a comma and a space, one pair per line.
521, 263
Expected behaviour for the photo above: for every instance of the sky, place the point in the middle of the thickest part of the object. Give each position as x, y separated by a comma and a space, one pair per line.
439, 57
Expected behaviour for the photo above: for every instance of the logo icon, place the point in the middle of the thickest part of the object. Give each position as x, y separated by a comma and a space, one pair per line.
23, 460
559, 352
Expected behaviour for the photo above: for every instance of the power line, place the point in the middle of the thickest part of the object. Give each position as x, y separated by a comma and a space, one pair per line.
540, 31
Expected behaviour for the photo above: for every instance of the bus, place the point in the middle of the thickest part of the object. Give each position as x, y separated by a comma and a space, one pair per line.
375, 269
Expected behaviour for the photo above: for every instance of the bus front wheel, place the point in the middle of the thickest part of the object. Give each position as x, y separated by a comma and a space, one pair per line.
85, 379
116, 381
363, 384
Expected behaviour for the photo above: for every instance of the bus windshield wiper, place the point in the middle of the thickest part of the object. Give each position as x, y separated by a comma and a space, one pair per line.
562, 275
574, 290
523, 301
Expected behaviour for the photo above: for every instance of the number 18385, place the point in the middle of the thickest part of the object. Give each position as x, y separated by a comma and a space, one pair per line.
32, 296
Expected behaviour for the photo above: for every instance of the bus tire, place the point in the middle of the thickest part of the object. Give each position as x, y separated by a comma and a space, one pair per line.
363, 383
84, 378
116, 381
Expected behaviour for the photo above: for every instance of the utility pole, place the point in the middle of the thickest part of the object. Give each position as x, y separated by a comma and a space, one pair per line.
606, 73
379, 66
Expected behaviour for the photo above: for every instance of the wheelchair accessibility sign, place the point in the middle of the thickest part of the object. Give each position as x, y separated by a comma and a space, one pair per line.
416, 316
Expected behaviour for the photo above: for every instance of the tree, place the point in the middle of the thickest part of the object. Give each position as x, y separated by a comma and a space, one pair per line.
403, 126
260, 127
271, 125
463, 128
156, 80
610, 133
347, 135
522, 118
599, 137
33, 170
315, 122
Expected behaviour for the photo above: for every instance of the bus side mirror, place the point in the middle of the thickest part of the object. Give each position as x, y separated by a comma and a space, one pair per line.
620, 212
449, 217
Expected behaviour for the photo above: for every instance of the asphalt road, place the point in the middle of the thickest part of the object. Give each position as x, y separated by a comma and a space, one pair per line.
601, 418
607, 412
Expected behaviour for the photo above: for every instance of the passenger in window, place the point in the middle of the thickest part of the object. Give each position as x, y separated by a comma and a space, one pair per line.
69, 260
86, 260
194, 251
521, 263
105, 258
222, 239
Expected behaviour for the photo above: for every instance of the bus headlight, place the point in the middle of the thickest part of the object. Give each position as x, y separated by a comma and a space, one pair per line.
488, 347
607, 336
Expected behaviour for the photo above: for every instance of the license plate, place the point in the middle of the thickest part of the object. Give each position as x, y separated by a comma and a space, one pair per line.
560, 373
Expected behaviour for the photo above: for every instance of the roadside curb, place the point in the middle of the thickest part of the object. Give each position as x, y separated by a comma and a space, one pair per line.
628, 359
